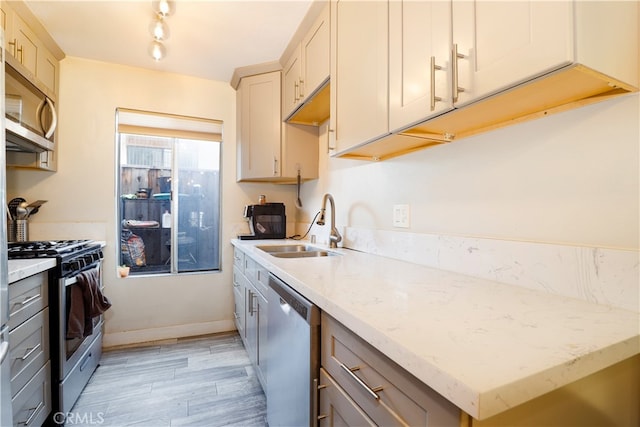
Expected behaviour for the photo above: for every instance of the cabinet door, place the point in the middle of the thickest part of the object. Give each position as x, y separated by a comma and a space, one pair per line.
259, 136
251, 324
291, 81
501, 43
261, 357
359, 75
315, 55
26, 50
239, 301
47, 71
419, 87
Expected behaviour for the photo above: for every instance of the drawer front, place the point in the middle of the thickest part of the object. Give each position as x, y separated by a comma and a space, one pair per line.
388, 394
238, 259
257, 275
262, 279
27, 297
336, 407
29, 349
250, 268
32, 404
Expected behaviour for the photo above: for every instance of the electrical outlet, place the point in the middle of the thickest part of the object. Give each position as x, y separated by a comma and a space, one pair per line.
401, 216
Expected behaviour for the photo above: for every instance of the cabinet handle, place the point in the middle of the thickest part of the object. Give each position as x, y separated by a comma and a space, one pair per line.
13, 44
31, 298
454, 63
275, 166
316, 408
252, 297
295, 92
373, 392
300, 91
30, 352
33, 414
434, 98
21, 52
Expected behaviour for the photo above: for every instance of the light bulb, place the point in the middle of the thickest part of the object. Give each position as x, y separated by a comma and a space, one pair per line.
159, 29
157, 50
163, 7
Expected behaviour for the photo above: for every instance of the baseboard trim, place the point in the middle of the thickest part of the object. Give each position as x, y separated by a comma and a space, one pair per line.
141, 336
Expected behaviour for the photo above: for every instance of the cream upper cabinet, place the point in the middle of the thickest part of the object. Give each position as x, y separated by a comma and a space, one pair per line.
258, 103
24, 44
292, 83
419, 61
502, 43
47, 71
305, 73
269, 150
29, 50
462, 67
495, 45
315, 53
359, 75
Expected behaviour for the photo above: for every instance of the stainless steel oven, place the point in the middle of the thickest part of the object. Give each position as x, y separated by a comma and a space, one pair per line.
75, 354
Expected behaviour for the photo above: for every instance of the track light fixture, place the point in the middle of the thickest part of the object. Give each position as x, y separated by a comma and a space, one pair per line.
159, 29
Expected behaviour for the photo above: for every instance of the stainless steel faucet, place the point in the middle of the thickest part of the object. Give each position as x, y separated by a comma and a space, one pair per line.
334, 236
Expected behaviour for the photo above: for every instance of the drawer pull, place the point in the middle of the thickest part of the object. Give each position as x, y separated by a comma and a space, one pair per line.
30, 352
316, 409
373, 392
33, 414
31, 298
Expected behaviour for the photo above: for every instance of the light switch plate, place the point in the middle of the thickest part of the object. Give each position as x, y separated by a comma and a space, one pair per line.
401, 216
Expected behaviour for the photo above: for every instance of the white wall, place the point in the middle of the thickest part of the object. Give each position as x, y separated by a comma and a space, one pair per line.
570, 178
82, 198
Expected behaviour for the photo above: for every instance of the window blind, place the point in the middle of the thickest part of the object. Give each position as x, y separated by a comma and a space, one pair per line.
168, 125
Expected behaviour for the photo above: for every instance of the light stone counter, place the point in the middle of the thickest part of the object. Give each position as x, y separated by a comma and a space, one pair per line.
485, 346
21, 268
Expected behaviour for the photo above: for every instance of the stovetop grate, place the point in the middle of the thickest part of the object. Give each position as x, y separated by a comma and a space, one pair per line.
46, 248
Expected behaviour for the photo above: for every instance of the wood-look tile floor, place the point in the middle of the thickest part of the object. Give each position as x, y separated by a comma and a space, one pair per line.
205, 381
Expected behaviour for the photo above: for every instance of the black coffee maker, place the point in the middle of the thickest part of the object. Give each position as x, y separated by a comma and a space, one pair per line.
266, 221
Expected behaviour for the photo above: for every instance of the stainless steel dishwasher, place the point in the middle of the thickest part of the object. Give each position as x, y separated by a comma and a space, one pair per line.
293, 336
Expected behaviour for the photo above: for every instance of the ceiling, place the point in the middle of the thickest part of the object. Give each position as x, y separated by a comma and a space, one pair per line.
208, 38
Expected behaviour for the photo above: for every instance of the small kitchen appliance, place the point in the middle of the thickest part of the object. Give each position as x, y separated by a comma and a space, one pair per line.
74, 359
266, 221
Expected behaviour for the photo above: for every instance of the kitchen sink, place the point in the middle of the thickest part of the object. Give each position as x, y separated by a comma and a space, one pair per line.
295, 251
304, 254
286, 248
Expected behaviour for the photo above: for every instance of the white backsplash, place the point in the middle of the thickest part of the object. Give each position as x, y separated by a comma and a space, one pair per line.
604, 276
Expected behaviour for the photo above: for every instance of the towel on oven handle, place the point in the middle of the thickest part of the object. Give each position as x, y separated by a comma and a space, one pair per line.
87, 302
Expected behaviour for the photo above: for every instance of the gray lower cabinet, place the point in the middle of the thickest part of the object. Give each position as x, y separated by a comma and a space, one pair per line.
250, 281
361, 386
239, 292
29, 350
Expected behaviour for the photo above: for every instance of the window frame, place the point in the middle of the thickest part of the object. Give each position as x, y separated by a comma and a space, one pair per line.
209, 130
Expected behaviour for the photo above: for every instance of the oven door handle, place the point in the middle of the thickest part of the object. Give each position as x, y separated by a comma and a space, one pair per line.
72, 280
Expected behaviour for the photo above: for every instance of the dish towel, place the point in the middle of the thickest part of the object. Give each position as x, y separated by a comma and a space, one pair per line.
87, 301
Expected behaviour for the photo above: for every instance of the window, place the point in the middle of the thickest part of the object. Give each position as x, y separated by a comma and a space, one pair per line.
169, 192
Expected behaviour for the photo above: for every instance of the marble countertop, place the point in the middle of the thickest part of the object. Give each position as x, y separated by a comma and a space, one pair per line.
483, 345
21, 268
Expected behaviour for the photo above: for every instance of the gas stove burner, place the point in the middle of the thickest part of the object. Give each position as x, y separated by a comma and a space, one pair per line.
45, 248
